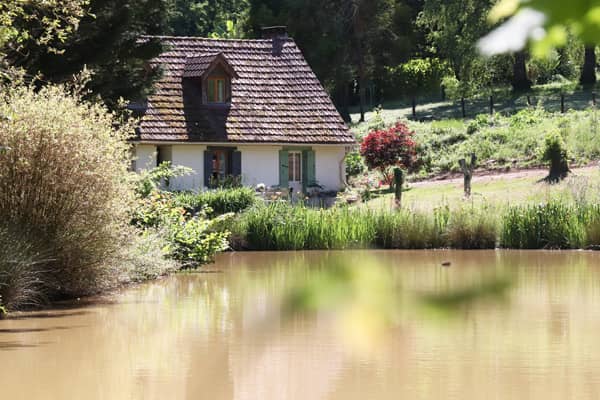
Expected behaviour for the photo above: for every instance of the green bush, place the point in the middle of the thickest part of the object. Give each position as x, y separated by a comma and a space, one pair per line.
221, 201
64, 185
354, 164
196, 241
150, 181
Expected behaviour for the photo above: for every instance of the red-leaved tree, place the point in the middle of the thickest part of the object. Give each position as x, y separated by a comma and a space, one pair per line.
387, 148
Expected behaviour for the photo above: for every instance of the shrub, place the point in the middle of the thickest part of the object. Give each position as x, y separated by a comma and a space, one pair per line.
220, 201
555, 153
146, 257
156, 209
196, 241
150, 181
354, 164
382, 149
63, 182
20, 272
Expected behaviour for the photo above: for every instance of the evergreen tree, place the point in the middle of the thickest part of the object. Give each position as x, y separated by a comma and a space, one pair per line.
108, 43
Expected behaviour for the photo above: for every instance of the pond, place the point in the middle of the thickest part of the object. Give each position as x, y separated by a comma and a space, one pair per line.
223, 334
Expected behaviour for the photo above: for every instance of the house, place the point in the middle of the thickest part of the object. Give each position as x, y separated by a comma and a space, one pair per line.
247, 108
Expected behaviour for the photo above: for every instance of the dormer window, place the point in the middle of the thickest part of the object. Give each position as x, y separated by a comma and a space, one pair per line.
216, 90
214, 76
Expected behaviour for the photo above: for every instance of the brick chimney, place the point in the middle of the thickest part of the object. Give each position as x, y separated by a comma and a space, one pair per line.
272, 32
278, 34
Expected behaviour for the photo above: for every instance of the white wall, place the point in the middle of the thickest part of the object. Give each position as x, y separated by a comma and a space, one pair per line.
192, 156
145, 157
327, 165
260, 164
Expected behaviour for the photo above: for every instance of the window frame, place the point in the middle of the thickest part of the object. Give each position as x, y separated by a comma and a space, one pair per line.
213, 82
293, 167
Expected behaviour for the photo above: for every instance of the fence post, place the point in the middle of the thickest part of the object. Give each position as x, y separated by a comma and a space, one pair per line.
562, 103
491, 105
398, 182
462, 107
414, 107
594, 99
528, 101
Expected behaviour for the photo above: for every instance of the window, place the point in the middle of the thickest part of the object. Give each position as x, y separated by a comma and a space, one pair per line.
220, 164
216, 90
294, 166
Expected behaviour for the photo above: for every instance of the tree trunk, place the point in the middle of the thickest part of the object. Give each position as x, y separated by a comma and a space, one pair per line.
588, 69
520, 81
467, 170
361, 95
559, 169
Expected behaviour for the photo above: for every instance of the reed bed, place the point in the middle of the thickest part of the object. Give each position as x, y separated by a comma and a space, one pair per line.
554, 225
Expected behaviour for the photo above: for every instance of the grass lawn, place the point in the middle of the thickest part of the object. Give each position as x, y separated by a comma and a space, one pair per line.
496, 190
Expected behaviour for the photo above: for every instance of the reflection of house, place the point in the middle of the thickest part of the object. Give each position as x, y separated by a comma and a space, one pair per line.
249, 108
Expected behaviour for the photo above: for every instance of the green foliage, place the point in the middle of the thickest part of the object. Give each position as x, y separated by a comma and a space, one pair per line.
196, 241
472, 228
220, 201
156, 209
553, 225
504, 141
407, 229
285, 227
354, 164
106, 43
416, 76
149, 181
39, 22
182, 219
280, 226
217, 19
554, 147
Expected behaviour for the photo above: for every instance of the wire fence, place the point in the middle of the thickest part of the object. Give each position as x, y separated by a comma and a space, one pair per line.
426, 109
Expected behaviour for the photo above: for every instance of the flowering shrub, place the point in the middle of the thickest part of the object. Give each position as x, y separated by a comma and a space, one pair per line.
390, 147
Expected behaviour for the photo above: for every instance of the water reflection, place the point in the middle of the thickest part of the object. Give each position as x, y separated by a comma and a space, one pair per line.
224, 335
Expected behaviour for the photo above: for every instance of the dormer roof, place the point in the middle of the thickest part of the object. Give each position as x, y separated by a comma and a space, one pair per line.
200, 66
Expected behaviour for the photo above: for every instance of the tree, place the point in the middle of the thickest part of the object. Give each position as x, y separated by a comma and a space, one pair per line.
387, 148
344, 41
588, 69
520, 80
36, 21
107, 42
453, 27
207, 18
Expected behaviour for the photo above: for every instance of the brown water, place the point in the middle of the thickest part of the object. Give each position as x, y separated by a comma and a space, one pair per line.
222, 335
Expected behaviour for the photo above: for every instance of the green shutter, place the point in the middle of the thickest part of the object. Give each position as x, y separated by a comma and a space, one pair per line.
308, 169
283, 168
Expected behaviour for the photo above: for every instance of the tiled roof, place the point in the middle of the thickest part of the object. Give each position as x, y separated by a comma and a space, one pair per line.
197, 66
275, 98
